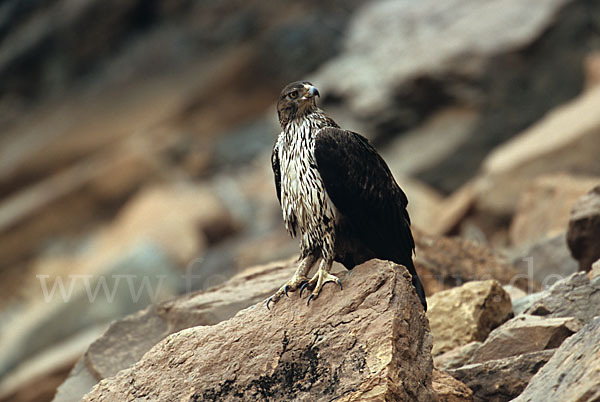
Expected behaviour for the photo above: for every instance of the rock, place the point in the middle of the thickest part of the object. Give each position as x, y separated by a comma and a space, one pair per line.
497, 37
370, 340
566, 140
595, 272
456, 357
503, 379
521, 304
446, 262
576, 296
126, 341
449, 389
525, 334
545, 205
572, 372
514, 292
546, 261
467, 313
583, 235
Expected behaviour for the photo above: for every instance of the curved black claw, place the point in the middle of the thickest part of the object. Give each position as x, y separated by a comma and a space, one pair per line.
269, 300
309, 298
304, 286
285, 290
339, 283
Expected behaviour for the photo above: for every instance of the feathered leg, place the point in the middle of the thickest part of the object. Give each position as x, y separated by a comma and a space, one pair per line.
298, 279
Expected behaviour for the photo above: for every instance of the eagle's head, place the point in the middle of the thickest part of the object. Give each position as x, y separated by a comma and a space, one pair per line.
296, 101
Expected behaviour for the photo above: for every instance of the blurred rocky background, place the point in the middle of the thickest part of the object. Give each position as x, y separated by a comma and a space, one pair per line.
135, 177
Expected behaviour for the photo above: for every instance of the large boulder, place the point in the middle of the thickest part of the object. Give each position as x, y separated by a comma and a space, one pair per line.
370, 340
467, 313
572, 372
583, 236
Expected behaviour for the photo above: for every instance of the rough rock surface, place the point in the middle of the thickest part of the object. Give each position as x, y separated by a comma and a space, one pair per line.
467, 313
583, 235
525, 334
576, 296
449, 389
501, 380
573, 371
370, 340
126, 341
545, 206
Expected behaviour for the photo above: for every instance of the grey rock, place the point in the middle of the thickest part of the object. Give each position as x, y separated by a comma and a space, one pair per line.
545, 261
525, 334
457, 357
572, 372
521, 304
501, 380
575, 296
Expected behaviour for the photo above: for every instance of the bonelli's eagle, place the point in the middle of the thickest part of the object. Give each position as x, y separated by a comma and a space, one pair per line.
337, 195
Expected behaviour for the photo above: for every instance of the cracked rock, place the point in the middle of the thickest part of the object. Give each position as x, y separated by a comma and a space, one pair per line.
369, 341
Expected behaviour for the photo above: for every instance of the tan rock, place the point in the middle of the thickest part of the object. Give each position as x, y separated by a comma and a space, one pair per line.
449, 389
467, 313
583, 235
525, 334
545, 206
572, 372
367, 342
566, 140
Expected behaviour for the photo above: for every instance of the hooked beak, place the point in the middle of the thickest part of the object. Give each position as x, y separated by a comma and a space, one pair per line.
311, 92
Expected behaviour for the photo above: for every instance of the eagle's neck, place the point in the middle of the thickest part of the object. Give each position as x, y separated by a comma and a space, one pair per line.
303, 128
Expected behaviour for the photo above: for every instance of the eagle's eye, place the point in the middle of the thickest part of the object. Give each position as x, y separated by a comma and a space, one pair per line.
293, 94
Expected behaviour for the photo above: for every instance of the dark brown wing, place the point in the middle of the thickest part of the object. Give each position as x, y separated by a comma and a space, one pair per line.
362, 188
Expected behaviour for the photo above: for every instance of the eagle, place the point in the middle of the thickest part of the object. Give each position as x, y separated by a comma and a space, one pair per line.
337, 195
